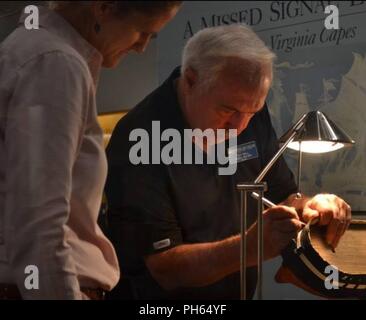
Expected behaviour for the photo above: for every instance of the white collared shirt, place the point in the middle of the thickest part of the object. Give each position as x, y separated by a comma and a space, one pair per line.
52, 162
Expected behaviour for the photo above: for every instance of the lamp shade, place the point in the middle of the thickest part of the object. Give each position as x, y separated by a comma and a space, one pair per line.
318, 134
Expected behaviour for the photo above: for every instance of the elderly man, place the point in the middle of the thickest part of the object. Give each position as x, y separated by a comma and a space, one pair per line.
175, 227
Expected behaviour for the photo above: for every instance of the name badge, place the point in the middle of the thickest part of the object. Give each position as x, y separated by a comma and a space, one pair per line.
243, 152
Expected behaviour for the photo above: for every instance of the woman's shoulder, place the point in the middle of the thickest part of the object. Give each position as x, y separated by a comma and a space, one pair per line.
23, 46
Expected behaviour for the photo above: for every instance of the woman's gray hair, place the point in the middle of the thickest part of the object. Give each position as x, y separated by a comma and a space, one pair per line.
208, 51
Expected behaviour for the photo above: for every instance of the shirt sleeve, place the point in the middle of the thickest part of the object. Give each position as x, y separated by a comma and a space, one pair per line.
280, 178
142, 218
43, 134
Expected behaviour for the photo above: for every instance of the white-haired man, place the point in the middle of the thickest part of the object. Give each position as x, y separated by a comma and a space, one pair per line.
175, 227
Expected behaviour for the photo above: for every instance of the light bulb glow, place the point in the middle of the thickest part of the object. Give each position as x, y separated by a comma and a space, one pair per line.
316, 146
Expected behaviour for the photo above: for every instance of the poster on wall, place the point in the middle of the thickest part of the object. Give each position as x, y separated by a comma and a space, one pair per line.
316, 69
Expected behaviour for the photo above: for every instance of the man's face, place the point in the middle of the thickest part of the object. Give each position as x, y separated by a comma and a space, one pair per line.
229, 103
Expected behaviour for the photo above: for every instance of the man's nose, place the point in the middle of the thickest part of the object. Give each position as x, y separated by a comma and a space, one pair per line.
239, 121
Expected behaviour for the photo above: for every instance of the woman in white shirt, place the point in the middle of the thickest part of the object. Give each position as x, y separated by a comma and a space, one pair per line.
52, 161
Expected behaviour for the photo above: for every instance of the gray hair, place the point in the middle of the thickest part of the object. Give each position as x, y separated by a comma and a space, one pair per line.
208, 51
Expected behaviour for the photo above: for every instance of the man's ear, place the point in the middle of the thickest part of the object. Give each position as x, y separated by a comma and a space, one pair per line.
190, 78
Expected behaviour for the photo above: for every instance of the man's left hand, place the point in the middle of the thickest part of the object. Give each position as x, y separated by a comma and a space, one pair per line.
331, 211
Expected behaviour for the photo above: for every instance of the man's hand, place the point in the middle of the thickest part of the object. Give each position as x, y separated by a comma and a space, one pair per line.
280, 225
331, 211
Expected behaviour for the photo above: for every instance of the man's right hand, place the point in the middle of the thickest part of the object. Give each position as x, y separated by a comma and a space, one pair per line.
190, 265
280, 225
